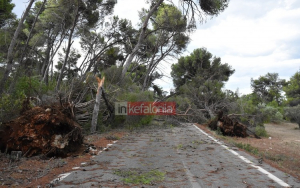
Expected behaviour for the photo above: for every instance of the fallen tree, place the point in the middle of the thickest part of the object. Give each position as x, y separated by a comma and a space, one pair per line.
49, 130
230, 126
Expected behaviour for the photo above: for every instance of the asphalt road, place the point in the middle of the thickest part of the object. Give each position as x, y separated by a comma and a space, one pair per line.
175, 157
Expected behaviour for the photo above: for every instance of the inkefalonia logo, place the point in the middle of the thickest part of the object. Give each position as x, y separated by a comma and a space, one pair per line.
145, 108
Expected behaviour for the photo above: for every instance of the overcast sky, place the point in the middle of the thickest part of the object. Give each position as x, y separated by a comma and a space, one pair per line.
254, 37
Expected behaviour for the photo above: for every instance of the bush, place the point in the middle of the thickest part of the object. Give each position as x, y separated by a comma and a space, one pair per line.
269, 113
293, 114
130, 92
261, 131
10, 106
137, 120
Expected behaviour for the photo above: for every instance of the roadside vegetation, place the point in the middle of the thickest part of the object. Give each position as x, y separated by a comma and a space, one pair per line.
133, 176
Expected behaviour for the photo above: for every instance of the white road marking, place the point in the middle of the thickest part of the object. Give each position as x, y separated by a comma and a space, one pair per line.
60, 177
63, 176
271, 176
188, 173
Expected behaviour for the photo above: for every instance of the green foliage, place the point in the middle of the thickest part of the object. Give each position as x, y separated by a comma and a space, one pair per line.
146, 120
32, 86
261, 131
293, 114
71, 66
202, 66
268, 88
135, 96
170, 18
128, 92
292, 90
134, 177
269, 113
10, 106
201, 77
112, 76
6, 7
257, 114
213, 7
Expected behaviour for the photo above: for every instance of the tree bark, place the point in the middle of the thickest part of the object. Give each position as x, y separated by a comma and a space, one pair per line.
140, 40
97, 105
13, 42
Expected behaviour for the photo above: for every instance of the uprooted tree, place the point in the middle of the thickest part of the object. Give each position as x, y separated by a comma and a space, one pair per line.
49, 130
229, 126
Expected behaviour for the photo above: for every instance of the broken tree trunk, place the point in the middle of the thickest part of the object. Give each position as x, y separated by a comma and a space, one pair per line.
97, 104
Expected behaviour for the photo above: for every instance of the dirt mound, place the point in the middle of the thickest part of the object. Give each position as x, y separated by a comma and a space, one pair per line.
48, 130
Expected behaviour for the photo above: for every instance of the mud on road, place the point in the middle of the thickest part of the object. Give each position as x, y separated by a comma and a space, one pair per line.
173, 157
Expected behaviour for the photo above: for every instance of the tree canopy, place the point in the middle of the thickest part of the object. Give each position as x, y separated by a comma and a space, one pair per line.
292, 89
201, 77
268, 88
6, 8
200, 64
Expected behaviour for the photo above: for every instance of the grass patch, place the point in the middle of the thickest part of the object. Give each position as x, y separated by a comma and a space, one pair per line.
247, 147
276, 158
135, 177
180, 146
199, 142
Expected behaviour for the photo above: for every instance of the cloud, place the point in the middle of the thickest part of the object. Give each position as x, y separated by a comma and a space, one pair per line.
129, 9
254, 37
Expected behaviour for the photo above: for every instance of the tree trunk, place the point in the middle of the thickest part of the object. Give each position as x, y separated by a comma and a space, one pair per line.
140, 40
97, 104
9, 60
45, 72
68, 51
31, 30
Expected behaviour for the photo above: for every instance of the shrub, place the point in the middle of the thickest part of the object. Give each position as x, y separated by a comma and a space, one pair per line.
269, 113
293, 114
10, 106
261, 131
